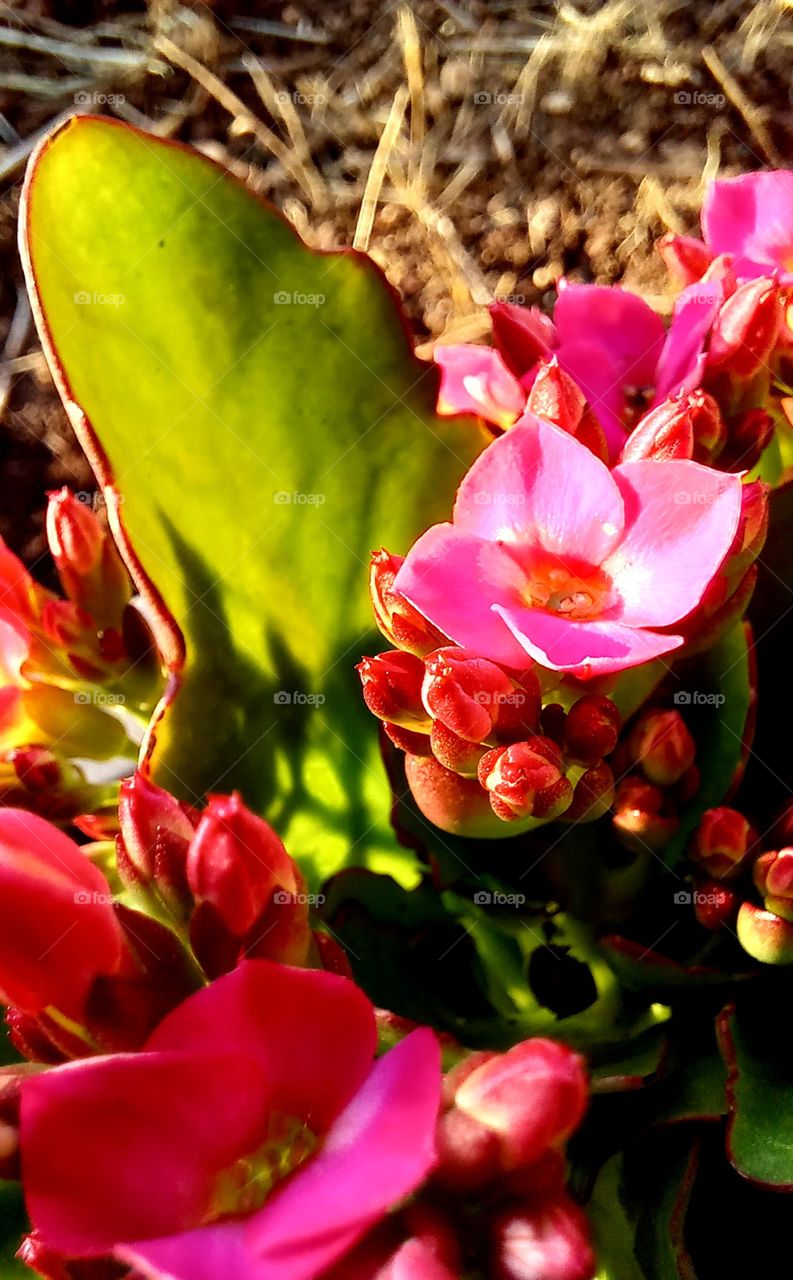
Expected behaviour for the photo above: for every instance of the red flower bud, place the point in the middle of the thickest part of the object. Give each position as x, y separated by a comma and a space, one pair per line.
468, 1152
237, 863
58, 929
593, 795
546, 1239
773, 876
746, 329
638, 821
392, 689
455, 804
526, 780
523, 335
764, 935
749, 435
532, 1097
399, 622
592, 728
723, 843
475, 698
455, 753
667, 431
685, 258
715, 904
155, 834
89, 566
662, 745
555, 397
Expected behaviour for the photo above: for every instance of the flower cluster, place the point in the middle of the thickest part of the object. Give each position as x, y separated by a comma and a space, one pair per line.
187, 1126
78, 673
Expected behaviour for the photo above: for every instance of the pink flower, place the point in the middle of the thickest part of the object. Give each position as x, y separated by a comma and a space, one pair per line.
551, 556
750, 218
607, 340
258, 1137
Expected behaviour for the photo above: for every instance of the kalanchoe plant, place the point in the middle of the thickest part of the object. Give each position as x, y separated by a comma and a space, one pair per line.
534, 823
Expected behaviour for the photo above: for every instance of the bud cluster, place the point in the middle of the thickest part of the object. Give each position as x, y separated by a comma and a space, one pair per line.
657, 771
71, 666
482, 751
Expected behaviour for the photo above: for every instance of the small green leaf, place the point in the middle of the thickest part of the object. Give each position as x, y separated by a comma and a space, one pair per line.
259, 424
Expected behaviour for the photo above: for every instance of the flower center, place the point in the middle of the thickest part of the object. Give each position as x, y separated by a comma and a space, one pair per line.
244, 1187
566, 586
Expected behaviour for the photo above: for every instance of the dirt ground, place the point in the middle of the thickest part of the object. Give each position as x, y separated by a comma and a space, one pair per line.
477, 148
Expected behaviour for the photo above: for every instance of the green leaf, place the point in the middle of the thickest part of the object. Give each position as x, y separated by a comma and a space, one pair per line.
715, 693
759, 1090
612, 1229
658, 1179
253, 451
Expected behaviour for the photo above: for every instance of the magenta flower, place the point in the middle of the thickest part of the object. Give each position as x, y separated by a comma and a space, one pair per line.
253, 1136
607, 340
553, 557
751, 219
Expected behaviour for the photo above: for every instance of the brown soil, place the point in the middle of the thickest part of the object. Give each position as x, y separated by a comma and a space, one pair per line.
529, 141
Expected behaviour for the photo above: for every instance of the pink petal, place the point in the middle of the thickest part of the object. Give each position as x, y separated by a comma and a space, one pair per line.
474, 379
378, 1151
601, 380
539, 486
131, 1146
619, 322
453, 579
680, 519
289, 1021
205, 1254
682, 361
584, 648
752, 217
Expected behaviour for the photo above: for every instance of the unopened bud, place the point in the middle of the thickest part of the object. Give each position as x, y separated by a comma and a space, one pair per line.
523, 335
667, 431
475, 698
399, 622
392, 689
723, 843
715, 904
685, 258
455, 753
764, 935
750, 433
532, 1097
593, 795
662, 746
155, 834
525, 780
546, 1239
89, 566
746, 329
638, 820
592, 728
773, 876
